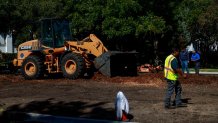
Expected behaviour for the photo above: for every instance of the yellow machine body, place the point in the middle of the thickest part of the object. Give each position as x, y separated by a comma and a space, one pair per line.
72, 58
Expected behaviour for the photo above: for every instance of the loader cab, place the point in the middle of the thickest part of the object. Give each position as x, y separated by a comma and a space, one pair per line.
54, 32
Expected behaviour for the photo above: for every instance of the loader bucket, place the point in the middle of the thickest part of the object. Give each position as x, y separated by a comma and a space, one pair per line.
115, 63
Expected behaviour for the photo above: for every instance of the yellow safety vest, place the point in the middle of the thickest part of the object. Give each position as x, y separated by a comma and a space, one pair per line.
168, 71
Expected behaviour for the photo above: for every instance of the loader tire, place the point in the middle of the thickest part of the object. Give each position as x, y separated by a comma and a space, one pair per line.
32, 68
73, 66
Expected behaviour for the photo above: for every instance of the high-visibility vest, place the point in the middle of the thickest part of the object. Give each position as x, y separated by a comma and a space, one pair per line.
168, 71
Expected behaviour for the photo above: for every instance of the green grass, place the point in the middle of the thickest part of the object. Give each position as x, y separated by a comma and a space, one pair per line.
205, 70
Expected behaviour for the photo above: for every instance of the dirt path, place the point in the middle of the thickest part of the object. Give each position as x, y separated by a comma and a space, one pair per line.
94, 98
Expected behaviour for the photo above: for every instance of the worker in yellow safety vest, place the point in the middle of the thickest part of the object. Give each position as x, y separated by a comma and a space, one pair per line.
171, 71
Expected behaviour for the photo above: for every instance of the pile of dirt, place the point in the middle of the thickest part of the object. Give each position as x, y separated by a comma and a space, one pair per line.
157, 79
148, 79
200, 79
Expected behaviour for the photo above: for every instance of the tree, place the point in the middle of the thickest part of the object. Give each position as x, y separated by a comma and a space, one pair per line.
208, 23
120, 18
86, 17
8, 16
149, 30
127, 21
206, 31
19, 16
186, 15
113, 20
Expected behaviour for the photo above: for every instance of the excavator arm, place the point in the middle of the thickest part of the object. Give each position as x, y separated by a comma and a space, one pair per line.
90, 44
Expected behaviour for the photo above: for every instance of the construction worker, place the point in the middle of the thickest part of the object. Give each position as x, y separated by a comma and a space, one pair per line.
171, 71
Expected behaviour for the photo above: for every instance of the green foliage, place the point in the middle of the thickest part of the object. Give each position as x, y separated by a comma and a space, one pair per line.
208, 23
123, 22
150, 24
121, 8
120, 18
113, 19
18, 16
118, 28
8, 15
186, 15
86, 17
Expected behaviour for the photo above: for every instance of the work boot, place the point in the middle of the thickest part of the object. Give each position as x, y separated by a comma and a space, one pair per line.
181, 105
169, 107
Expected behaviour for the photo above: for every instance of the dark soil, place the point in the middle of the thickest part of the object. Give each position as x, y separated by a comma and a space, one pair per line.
94, 98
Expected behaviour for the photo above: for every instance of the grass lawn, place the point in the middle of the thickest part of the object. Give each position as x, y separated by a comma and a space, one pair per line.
205, 70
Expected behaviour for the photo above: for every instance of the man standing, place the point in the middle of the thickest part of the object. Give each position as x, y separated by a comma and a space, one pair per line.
184, 59
196, 59
171, 71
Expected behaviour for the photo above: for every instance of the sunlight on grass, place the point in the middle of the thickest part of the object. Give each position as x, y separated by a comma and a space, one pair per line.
204, 70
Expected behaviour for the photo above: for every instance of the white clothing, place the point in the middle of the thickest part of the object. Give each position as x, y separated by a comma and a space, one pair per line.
121, 105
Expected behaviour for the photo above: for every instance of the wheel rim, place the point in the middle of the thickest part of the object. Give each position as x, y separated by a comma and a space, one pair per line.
70, 66
30, 69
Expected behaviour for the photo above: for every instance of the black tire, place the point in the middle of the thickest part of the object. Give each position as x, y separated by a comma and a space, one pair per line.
32, 68
72, 66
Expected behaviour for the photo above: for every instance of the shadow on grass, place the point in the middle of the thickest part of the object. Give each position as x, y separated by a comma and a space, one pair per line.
16, 113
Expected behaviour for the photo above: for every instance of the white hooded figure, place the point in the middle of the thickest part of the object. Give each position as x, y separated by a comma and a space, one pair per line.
121, 106
190, 48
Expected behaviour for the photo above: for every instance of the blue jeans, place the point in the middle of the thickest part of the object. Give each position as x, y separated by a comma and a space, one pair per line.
184, 65
171, 86
197, 67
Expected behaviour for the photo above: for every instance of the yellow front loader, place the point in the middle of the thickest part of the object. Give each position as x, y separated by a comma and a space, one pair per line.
55, 52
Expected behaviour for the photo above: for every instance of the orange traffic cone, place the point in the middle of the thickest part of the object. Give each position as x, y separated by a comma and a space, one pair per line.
124, 116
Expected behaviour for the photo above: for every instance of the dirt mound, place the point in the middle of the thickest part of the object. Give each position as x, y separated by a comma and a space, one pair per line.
200, 79
148, 79
157, 79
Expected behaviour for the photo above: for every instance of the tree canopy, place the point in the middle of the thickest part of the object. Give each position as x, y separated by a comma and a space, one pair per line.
141, 25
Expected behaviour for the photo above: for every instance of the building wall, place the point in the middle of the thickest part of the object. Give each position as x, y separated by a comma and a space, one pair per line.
6, 44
